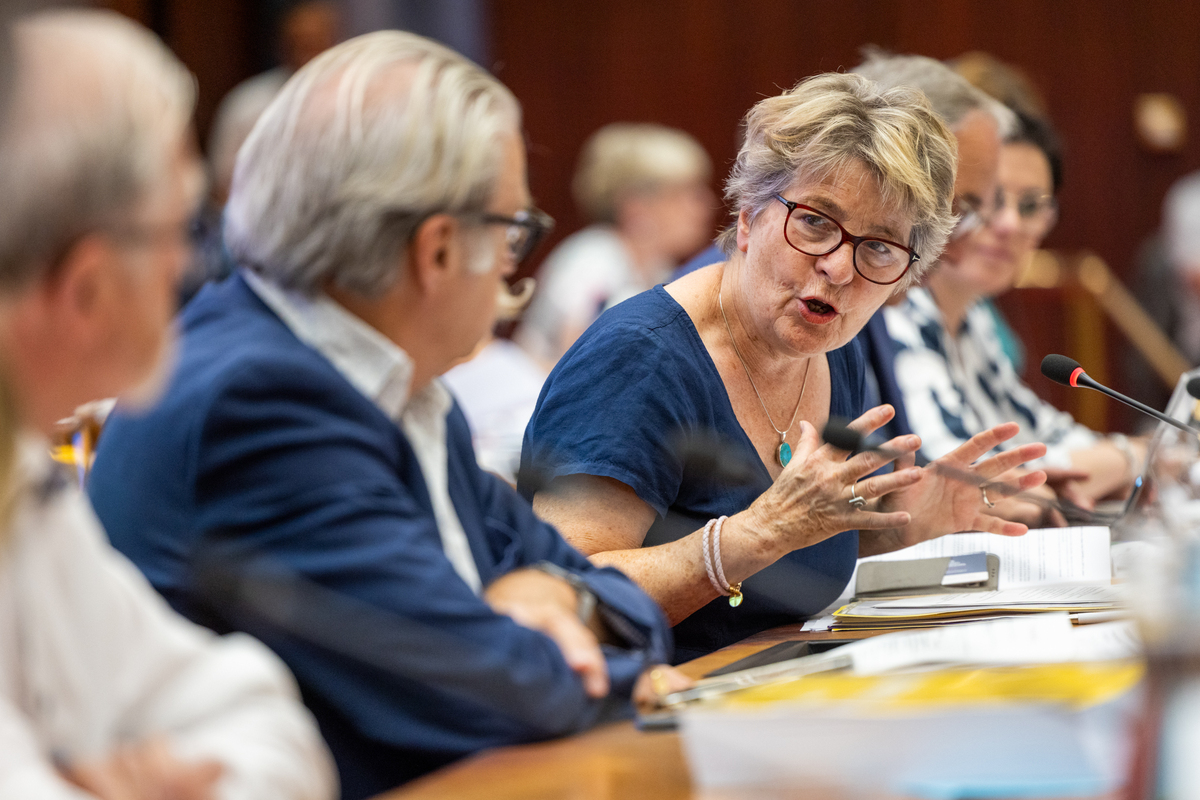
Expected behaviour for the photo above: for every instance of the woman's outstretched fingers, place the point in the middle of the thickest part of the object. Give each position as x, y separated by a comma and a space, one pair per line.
869, 461
879, 485
992, 468
979, 444
989, 524
907, 446
862, 465
869, 421
870, 489
872, 419
1031, 480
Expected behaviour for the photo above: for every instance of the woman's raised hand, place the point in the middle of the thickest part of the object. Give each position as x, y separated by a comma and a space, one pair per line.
954, 499
811, 499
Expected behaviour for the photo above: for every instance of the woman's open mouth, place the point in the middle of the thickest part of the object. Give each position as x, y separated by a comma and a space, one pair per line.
818, 311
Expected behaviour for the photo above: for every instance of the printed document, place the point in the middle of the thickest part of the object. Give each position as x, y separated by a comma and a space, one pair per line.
1042, 556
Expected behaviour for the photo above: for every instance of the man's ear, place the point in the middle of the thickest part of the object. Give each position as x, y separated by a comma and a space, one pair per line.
80, 295
434, 251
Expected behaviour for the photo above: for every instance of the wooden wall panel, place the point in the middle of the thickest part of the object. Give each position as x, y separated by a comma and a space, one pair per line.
699, 64
220, 41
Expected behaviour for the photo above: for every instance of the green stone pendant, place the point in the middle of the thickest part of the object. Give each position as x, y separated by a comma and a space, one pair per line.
784, 454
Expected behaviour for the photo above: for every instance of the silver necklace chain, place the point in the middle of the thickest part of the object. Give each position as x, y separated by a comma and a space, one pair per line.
804, 385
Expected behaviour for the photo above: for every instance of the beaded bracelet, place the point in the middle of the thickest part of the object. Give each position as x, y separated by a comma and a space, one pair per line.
712, 562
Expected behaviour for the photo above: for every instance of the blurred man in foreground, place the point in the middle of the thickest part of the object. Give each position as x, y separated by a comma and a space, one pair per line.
305, 438
102, 687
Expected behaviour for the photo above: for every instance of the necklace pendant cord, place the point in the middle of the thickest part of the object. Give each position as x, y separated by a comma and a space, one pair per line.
783, 453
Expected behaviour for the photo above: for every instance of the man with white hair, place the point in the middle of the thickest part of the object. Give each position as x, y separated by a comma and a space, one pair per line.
305, 439
104, 690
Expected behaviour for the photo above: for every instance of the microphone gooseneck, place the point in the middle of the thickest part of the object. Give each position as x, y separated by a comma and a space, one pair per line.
842, 436
1067, 371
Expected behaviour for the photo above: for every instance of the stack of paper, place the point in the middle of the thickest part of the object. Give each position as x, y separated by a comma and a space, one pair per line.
1032, 639
1047, 731
943, 609
1031, 706
1042, 556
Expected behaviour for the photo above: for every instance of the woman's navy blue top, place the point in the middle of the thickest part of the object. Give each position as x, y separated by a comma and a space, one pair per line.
639, 399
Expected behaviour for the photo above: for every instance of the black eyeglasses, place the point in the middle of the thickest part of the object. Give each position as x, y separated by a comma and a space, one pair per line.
816, 234
525, 230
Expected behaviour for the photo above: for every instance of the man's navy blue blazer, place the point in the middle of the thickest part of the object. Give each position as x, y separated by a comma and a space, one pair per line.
262, 452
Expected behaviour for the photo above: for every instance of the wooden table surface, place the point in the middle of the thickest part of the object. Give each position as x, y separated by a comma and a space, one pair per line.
612, 762
617, 761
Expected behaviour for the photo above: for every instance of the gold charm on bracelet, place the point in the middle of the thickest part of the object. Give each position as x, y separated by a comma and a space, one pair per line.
735, 595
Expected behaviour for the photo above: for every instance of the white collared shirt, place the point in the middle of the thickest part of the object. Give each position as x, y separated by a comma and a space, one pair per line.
382, 372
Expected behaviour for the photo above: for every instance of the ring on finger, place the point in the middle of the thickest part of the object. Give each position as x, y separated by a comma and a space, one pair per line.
855, 500
986, 502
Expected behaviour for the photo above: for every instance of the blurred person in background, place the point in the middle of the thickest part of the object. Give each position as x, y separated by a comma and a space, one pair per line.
978, 123
644, 188
376, 209
106, 691
1167, 283
842, 193
1010, 85
497, 389
305, 30
950, 360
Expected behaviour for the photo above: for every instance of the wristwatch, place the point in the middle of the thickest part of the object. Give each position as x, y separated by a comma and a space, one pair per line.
587, 598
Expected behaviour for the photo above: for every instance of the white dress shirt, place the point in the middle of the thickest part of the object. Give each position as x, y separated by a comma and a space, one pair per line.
382, 371
497, 391
92, 658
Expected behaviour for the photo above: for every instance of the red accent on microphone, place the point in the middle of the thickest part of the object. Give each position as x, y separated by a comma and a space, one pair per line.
1075, 376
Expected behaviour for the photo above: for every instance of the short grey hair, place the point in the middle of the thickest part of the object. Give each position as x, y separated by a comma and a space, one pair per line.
627, 158
950, 94
362, 145
99, 107
833, 120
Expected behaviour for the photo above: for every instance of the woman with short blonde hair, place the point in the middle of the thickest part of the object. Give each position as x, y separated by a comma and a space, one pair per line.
842, 192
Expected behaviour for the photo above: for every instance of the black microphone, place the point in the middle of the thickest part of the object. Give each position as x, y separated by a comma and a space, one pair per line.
1193, 387
1067, 371
843, 437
